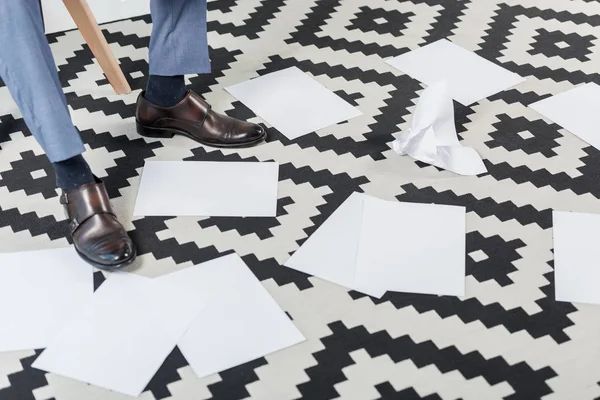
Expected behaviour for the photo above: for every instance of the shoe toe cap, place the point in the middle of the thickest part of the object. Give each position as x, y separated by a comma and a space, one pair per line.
259, 131
249, 132
118, 255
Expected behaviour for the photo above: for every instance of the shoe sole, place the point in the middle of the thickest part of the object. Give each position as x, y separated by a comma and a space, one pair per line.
168, 133
109, 268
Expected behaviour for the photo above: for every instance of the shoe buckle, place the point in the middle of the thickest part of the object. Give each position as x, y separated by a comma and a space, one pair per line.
74, 224
64, 199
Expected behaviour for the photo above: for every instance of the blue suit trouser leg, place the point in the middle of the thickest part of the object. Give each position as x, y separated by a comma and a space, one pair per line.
28, 70
179, 43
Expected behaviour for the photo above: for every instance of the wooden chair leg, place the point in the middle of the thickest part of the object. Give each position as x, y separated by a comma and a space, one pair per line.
85, 21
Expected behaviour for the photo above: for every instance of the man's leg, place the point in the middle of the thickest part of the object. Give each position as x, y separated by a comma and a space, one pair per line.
179, 43
179, 46
28, 69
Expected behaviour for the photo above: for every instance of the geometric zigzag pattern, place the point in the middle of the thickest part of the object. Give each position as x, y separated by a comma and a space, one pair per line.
506, 339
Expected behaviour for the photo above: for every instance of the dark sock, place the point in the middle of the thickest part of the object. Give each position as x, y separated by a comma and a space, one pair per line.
72, 173
165, 91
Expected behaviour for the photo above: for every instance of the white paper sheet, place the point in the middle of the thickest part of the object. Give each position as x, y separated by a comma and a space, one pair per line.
216, 189
293, 102
39, 291
241, 321
576, 255
412, 248
471, 78
432, 137
372, 246
120, 338
330, 252
576, 110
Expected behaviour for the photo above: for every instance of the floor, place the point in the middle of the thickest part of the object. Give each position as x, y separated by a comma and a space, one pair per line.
507, 338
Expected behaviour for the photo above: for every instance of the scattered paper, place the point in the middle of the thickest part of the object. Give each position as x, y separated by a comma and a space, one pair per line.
373, 246
576, 255
123, 335
216, 189
330, 252
470, 77
412, 248
39, 292
293, 102
432, 138
241, 321
576, 110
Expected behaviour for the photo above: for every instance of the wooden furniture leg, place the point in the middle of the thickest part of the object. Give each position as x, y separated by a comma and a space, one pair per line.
85, 21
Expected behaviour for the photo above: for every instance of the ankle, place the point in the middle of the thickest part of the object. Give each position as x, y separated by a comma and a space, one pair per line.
165, 91
72, 173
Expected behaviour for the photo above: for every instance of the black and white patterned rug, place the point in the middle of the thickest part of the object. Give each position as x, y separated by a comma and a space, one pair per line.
508, 338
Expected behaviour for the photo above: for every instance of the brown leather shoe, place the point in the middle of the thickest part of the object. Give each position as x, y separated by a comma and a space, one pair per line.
98, 236
193, 117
